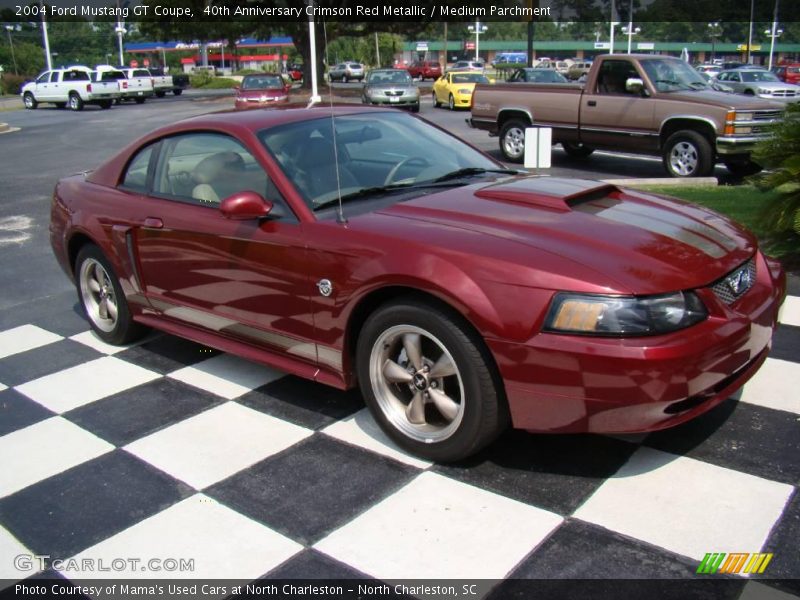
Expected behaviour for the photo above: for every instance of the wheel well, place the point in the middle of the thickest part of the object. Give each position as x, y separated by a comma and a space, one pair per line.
74, 246
507, 115
676, 125
374, 300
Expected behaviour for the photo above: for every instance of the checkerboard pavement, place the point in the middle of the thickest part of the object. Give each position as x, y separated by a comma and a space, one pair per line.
170, 449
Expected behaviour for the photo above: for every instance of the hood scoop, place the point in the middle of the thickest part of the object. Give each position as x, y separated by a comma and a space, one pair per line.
552, 193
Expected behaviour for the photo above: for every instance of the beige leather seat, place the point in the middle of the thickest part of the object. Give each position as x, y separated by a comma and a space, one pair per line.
215, 175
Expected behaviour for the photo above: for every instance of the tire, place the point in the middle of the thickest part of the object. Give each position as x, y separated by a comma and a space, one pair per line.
160, 94
742, 168
688, 154
512, 140
100, 296
29, 101
177, 92
406, 403
436, 103
75, 102
106, 104
451, 102
576, 150
344, 79
415, 108
139, 99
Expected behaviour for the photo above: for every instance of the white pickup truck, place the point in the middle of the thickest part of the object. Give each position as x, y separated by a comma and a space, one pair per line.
71, 87
163, 83
139, 83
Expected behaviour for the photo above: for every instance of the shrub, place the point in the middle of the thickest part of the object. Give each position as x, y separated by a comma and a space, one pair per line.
12, 83
780, 156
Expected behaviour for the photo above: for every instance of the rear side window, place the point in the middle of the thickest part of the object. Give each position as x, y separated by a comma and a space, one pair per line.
141, 73
135, 178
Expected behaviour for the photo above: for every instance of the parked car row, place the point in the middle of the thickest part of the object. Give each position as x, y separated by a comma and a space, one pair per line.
77, 86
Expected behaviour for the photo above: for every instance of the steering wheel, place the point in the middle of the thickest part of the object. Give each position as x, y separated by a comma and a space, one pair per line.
419, 160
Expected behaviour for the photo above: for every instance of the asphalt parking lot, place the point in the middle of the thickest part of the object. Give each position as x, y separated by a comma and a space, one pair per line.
167, 449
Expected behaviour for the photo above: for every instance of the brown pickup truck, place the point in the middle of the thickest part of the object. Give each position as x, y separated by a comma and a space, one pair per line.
643, 104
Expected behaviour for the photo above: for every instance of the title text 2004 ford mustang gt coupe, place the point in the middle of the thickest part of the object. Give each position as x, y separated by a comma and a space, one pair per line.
459, 295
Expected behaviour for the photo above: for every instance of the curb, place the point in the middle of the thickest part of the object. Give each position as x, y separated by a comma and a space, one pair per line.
666, 181
5, 128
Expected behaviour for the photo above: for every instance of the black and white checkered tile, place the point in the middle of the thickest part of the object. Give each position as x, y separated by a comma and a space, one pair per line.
169, 449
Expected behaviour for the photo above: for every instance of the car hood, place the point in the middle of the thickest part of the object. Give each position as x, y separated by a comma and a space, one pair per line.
630, 242
269, 93
391, 87
724, 99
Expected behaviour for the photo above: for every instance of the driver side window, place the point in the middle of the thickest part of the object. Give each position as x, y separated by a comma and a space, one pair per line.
205, 168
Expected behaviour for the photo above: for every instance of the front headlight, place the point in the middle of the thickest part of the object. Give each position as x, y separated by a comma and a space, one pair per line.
624, 315
764, 92
744, 116
465, 91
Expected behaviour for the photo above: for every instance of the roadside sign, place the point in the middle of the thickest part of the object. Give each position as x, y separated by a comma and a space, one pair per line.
538, 147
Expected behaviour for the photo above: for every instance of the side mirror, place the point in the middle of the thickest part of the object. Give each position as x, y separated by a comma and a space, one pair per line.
245, 206
634, 85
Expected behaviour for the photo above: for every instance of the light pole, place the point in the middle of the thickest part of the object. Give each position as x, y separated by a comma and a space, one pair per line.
611, 33
630, 31
478, 29
772, 34
9, 29
120, 29
714, 31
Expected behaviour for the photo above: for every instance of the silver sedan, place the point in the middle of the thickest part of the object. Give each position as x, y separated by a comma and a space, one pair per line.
759, 83
393, 87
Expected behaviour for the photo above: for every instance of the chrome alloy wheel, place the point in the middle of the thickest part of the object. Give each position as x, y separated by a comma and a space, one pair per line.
514, 142
416, 383
683, 159
97, 293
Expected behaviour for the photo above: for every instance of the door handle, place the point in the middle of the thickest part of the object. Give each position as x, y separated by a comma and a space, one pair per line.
153, 223
592, 103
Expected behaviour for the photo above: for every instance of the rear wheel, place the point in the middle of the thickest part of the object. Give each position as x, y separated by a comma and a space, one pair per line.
428, 381
75, 102
576, 150
102, 299
29, 101
512, 140
688, 154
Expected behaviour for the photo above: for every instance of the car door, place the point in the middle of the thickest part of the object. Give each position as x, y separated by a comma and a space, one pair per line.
243, 279
735, 81
440, 88
612, 117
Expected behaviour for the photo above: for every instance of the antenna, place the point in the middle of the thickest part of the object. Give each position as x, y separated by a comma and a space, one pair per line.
340, 218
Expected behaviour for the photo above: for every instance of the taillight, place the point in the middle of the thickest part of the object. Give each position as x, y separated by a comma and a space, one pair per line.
89, 88
124, 85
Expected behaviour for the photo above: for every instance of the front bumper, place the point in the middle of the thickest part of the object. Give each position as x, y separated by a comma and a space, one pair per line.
563, 383
738, 145
393, 101
244, 104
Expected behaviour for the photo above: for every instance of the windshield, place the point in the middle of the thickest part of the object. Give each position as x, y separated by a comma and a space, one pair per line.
373, 150
262, 82
469, 78
382, 77
759, 76
671, 75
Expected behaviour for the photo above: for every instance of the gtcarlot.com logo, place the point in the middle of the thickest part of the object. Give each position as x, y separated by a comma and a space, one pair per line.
735, 562
40, 562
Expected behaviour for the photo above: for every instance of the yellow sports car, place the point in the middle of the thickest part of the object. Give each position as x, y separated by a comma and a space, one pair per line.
454, 88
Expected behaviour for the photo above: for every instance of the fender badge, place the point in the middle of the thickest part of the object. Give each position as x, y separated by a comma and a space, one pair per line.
325, 287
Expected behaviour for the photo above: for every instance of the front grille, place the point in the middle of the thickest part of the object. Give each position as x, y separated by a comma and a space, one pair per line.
394, 92
767, 115
732, 286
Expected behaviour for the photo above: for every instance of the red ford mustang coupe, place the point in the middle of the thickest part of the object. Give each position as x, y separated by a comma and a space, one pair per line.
359, 246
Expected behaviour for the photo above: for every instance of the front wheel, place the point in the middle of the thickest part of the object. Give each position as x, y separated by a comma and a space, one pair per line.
75, 102
688, 154
451, 102
512, 140
102, 299
29, 101
429, 381
415, 108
